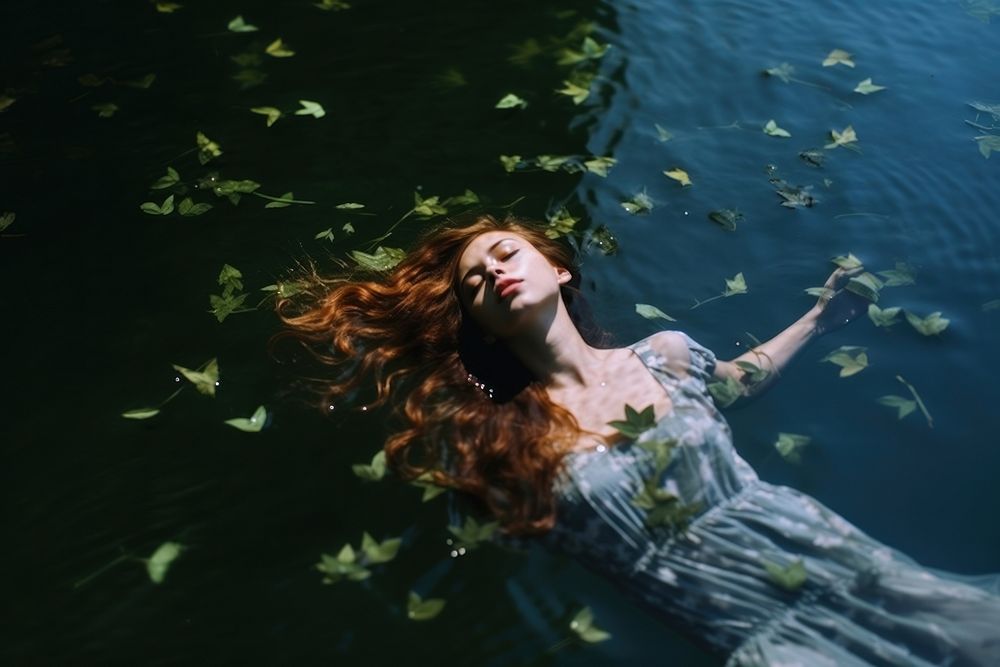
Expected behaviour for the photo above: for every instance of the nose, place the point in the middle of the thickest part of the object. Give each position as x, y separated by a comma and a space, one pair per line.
494, 269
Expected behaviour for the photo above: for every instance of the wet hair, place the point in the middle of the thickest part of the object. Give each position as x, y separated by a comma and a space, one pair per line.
467, 412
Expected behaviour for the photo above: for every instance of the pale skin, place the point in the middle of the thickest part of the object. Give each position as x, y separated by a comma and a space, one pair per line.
512, 291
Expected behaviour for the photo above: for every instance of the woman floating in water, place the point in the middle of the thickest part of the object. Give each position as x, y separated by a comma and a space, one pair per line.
503, 394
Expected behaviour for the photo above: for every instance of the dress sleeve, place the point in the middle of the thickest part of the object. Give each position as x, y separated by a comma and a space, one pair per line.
702, 360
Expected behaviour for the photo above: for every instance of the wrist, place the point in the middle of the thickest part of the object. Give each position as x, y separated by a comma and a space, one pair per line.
811, 322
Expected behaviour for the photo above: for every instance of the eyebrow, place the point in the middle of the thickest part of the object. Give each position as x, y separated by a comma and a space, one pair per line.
488, 250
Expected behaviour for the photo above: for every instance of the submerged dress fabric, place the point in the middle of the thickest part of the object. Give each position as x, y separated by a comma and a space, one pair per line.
862, 603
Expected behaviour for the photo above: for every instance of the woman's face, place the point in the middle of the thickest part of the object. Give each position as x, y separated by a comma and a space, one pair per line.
505, 283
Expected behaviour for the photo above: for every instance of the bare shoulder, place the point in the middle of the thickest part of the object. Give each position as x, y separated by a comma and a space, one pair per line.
673, 346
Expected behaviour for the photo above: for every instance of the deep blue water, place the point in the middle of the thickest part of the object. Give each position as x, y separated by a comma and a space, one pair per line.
101, 298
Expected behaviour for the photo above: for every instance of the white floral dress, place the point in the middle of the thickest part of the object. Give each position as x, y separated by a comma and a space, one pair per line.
760, 573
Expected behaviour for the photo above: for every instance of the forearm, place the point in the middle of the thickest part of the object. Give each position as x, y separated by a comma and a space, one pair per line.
773, 355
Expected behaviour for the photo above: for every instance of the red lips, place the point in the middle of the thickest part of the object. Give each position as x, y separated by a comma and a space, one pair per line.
505, 286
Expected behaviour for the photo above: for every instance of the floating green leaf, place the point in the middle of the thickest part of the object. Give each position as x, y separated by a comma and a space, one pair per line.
472, 533
467, 198
6, 101
851, 359
640, 203
141, 413
847, 262
510, 101
431, 490
930, 325
903, 405
239, 25
790, 446
783, 71
510, 162
652, 312
344, 564
207, 149
225, 305
187, 207
813, 156
560, 223
310, 108
168, 7
982, 10
205, 381
423, 610
794, 196
379, 552
838, 57
524, 52
272, 113
725, 392
253, 424
865, 285
986, 307
600, 165
577, 91
791, 577
287, 197
551, 162
903, 274
919, 401
988, 143
166, 208
678, 175
332, 5
158, 564
382, 260
735, 285
278, 49
866, 87
635, 423
662, 133
373, 471
883, 317
754, 373
348, 228
172, 178
847, 136
727, 217
325, 235
771, 128
248, 78
429, 207
589, 50
230, 278
347, 206
991, 109
105, 110
583, 625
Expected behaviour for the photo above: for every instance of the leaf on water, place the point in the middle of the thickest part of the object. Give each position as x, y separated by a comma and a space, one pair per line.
791, 577
640, 203
783, 71
377, 552
510, 101
187, 207
600, 165
158, 564
253, 424
281, 204
578, 92
983, 10
583, 625
735, 285
204, 381
7, 219
771, 128
248, 78
847, 262
727, 217
247, 59
794, 196
373, 471
239, 25
986, 307
848, 136
349, 206
652, 312
225, 305
467, 198
348, 228
472, 533
662, 133
143, 82
904, 405
865, 285
678, 175
903, 274
510, 162
523, 53
272, 114
635, 423
428, 207
310, 108
382, 260
551, 162
838, 57
90, 80
141, 413
278, 49
423, 610
431, 489
105, 110
851, 359
170, 179
344, 564
332, 5
230, 278
450, 78
991, 109
589, 50
561, 222
930, 325
167, 7
988, 143
325, 235
754, 373
883, 317
790, 446
813, 157
726, 392
819, 291
166, 208
207, 149
866, 87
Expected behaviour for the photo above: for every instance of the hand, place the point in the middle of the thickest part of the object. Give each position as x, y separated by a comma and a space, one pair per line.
838, 306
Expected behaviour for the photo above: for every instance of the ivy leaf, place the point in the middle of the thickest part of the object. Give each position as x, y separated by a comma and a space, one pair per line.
791, 577
991, 109
635, 423
794, 196
172, 178
248, 78
310, 108
727, 217
225, 305
373, 471
141, 413
551, 162
207, 149
725, 392
348, 229
838, 57
994, 304
576, 91
230, 278
204, 381
754, 373
166, 208
930, 325
590, 50
467, 198
865, 285
902, 275
105, 110
510, 162
903, 405
814, 157
379, 552
847, 136
272, 114
278, 49
349, 206
429, 207
423, 610
600, 165
510, 101
325, 235
281, 204
652, 312
188, 208
847, 262
883, 317
6, 101
239, 25
382, 260
790, 446
583, 625
866, 87
735, 285
662, 134
253, 424
167, 7
431, 490
158, 564
851, 359
143, 82
561, 223
678, 175
640, 203
988, 143
472, 533
332, 5
344, 564
771, 128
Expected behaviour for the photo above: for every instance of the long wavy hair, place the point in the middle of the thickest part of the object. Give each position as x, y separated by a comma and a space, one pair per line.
468, 413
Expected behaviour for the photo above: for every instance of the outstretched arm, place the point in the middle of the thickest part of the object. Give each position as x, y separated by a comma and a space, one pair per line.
834, 309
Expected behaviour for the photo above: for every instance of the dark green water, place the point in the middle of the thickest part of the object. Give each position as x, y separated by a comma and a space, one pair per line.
101, 298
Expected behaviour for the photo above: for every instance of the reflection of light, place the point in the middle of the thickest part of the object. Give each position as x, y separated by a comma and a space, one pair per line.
177, 379
331, 406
